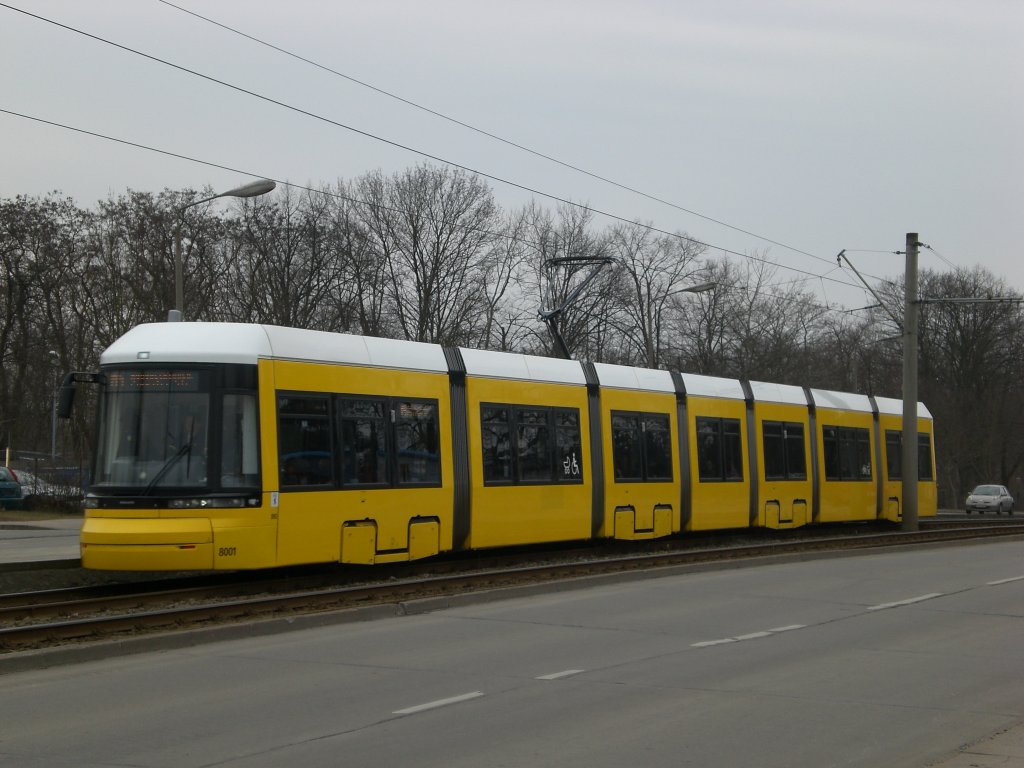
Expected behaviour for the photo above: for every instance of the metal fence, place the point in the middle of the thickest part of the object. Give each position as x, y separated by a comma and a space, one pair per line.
48, 481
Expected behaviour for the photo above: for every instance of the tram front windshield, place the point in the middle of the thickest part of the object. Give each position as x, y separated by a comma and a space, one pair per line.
156, 432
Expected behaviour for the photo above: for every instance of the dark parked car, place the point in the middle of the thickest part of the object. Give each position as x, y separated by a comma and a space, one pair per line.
11, 496
990, 498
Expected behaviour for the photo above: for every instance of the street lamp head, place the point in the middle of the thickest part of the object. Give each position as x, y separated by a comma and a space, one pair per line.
252, 189
702, 288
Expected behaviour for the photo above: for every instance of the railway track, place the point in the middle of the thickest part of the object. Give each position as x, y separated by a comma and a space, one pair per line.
34, 620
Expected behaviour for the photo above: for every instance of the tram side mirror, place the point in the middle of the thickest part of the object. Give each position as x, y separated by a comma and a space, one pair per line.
67, 390
67, 396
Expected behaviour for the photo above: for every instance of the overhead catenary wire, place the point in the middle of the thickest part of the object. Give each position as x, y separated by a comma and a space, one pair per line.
488, 134
763, 290
400, 145
254, 174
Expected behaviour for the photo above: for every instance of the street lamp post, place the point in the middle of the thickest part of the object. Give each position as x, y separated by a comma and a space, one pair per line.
253, 189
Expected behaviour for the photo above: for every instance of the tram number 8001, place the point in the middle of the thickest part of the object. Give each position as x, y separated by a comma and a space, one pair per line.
227, 551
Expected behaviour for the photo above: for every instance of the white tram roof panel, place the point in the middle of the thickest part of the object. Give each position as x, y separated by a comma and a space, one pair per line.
628, 377
893, 407
786, 394
510, 365
348, 349
188, 342
841, 401
698, 385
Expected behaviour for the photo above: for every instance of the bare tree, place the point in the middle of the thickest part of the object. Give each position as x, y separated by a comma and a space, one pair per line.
431, 227
652, 270
971, 373
505, 322
701, 323
283, 273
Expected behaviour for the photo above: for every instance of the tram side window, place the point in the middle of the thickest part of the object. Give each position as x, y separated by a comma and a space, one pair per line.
496, 438
719, 449
417, 443
363, 440
847, 453
784, 457
304, 427
568, 451
894, 455
627, 451
530, 444
641, 447
533, 441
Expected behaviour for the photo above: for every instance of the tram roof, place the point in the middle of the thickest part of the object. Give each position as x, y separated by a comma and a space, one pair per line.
246, 343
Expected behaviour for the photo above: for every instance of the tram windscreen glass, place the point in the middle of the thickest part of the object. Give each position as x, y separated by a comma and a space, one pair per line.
154, 429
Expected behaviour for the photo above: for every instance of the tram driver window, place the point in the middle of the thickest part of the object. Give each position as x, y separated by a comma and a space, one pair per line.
240, 441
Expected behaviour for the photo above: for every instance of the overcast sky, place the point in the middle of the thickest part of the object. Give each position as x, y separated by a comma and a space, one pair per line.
817, 124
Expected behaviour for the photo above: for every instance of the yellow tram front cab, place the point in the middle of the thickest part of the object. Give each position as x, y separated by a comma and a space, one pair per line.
177, 481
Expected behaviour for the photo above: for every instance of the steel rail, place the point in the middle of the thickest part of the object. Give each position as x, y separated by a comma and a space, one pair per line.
187, 609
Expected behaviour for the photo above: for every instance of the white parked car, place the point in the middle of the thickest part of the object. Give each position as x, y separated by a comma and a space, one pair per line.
990, 498
35, 486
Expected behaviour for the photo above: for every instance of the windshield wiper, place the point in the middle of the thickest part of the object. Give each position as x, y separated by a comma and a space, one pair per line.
186, 448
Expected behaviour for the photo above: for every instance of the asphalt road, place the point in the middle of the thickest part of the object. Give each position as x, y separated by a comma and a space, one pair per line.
890, 659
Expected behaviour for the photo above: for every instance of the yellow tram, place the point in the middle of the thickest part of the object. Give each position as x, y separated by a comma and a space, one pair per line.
234, 446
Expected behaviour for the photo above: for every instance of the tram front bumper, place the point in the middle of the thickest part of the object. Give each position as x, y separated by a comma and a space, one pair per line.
147, 544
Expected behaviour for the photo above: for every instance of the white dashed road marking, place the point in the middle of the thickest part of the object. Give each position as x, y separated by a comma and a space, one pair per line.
557, 675
1005, 581
751, 636
438, 703
908, 601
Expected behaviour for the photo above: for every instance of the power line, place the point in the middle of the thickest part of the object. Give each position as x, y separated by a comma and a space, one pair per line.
220, 166
488, 134
948, 263
400, 145
137, 145
357, 201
